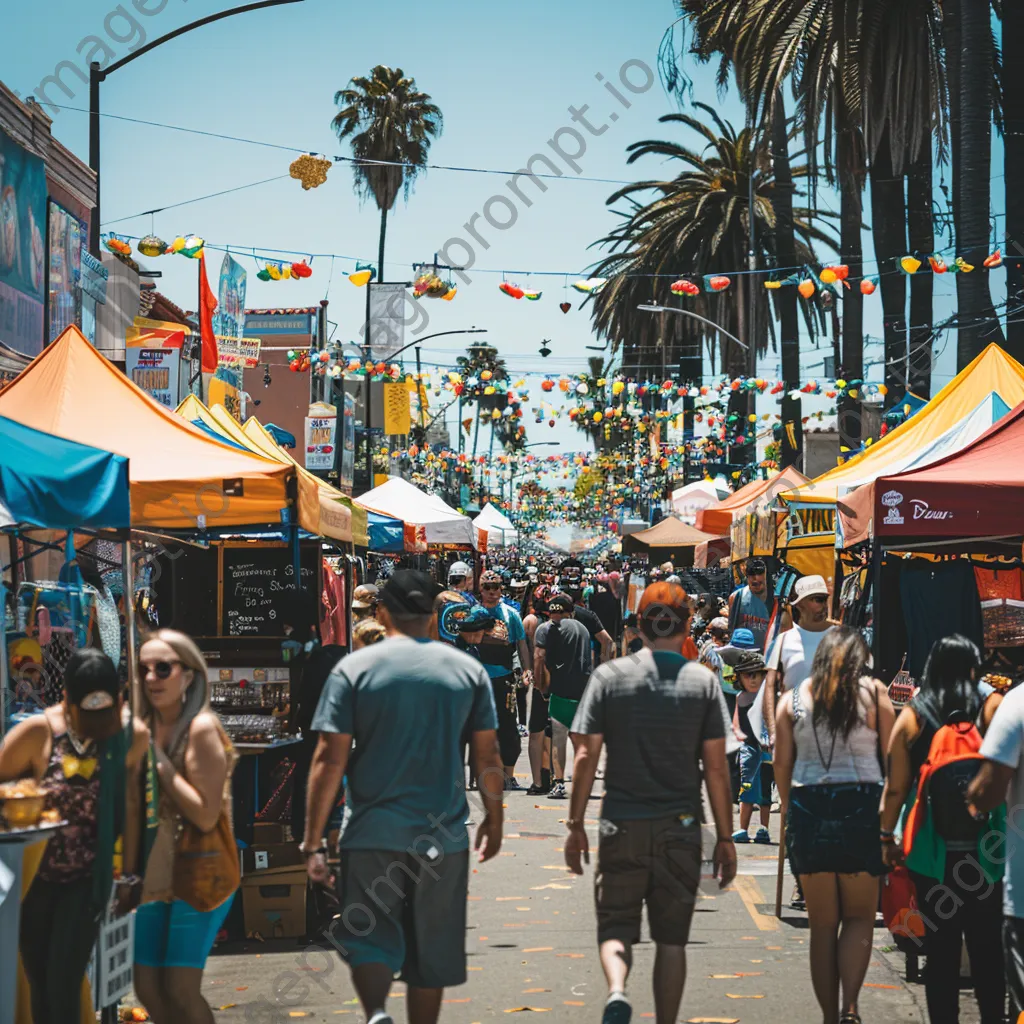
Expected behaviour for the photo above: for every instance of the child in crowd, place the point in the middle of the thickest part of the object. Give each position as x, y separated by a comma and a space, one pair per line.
750, 672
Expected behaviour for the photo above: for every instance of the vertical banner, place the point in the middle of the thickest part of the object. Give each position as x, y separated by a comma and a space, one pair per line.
387, 319
22, 247
347, 461
67, 235
397, 415
321, 437
229, 322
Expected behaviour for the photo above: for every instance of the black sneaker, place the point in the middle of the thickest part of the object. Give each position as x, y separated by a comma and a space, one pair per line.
617, 1010
511, 783
536, 790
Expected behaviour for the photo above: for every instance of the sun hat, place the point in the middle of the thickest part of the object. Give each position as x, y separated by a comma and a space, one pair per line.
750, 661
809, 586
742, 638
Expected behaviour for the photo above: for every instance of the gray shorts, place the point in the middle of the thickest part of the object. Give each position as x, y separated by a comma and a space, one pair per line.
404, 911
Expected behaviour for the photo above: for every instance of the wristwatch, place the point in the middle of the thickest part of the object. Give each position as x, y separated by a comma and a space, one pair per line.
574, 824
312, 853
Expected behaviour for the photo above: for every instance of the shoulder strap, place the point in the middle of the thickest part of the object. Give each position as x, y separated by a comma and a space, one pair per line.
736, 610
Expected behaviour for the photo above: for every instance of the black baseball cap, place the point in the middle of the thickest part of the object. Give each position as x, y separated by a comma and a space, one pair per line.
91, 684
561, 603
755, 566
409, 592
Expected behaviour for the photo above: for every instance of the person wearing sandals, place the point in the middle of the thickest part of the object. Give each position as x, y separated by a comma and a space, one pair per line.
830, 730
84, 754
189, 783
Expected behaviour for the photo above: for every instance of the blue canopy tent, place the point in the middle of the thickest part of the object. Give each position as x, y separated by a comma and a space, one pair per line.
385, 534
47, 481
285, 438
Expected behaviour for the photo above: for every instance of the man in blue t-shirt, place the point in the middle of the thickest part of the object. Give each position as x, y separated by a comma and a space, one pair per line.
498, 650
406, 703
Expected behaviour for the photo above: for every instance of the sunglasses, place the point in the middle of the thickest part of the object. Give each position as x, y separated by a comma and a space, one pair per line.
161, 669
490, 586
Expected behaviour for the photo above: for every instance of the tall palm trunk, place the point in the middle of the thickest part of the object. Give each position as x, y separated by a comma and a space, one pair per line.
850, 157
922, 240
978, 324
888, 224
380, 244
1013, 160
786, 298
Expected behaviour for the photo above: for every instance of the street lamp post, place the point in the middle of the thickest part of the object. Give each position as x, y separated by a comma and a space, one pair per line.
654, 308
98, 74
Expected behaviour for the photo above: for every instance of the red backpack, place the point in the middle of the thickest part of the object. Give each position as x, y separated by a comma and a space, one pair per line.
954, 759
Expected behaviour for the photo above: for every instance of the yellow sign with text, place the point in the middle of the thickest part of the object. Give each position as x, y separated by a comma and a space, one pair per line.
397, 418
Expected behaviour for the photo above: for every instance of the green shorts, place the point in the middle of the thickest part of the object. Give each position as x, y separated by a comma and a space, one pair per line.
563, 710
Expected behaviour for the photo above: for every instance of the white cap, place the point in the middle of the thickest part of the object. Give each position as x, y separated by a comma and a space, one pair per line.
808, 586
459, 569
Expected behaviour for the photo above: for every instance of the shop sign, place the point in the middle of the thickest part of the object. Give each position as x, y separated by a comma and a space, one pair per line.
347, 462
153, 358
94, 277
22, 247
66, 234
229, 320
238, 352
262, 324
321, 437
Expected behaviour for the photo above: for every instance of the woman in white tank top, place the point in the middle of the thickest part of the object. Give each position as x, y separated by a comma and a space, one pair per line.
830, 731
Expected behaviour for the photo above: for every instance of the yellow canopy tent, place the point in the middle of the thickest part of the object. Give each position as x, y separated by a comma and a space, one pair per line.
180, 478
322, 515
263, 439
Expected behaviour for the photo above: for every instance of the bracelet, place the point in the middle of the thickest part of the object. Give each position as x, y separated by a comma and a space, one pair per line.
574, 824
131, 880
887, 840
322, 848
887, 834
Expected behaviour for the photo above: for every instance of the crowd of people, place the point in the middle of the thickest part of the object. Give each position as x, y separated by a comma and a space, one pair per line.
684, 708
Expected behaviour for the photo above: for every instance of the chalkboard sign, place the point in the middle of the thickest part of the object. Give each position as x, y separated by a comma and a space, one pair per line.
261, 594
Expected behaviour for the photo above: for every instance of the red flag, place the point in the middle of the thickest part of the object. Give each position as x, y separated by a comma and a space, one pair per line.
207, 306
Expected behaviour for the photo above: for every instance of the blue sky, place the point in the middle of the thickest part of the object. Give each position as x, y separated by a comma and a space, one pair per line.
504, 76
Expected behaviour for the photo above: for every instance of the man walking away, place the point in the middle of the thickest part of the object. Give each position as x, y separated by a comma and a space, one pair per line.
406, 703
562, 647
498, 648
750, 607
661, 716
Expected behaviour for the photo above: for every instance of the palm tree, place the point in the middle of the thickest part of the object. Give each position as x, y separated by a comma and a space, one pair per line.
697, 224
391, 125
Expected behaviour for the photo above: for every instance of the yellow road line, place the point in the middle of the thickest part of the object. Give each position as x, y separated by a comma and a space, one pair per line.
750, 892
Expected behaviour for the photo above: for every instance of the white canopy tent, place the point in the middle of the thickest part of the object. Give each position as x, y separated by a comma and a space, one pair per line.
501, 531
689, 500
401, 500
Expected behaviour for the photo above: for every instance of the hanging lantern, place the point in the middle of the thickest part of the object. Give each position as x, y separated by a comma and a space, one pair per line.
264, 274
684, 287
868, 285
274, 269
828, 276
363, 275
302, 269
910, 264
806, 288
716, 282
152, 246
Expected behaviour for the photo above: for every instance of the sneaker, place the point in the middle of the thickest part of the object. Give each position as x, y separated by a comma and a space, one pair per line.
558, 792
741, 836
617, 1010
523, 731
797, 901
536, 790
511, 783
381, 1018
763, 836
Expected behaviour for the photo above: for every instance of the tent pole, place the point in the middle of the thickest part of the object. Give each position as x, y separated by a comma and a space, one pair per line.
128, 582
877, 555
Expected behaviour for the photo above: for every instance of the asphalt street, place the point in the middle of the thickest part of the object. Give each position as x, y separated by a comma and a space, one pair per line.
531, 945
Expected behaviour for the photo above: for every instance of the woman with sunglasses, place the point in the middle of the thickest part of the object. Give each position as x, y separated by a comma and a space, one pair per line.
84, 754
189, 781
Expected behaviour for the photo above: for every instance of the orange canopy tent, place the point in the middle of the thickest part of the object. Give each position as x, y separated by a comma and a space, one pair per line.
718, 518
180, 478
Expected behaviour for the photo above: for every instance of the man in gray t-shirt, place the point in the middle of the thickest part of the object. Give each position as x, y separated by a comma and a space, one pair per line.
661, 718
408, 706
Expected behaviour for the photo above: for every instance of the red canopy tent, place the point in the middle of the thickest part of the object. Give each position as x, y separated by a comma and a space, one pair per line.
975, 493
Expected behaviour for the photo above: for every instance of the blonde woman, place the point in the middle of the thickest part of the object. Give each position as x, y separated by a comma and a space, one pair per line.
191, 761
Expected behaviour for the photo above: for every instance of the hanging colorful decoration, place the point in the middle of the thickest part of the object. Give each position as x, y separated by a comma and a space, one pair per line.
962, 265
806, 288
187, 245
835, 272
938, 264
868, 285
684, 287
716, 282
531, 294
431, 285
310, 169
773, 285
565, 306
910, 264
302, 269
362, 275
118, 246
513, 291
450, 294
151, 246
590, 285
995, 260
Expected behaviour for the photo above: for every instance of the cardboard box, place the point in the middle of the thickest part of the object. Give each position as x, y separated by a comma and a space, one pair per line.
274, 902
264, 856
264, 832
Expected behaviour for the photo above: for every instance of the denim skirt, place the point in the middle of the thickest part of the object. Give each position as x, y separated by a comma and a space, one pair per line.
834, 828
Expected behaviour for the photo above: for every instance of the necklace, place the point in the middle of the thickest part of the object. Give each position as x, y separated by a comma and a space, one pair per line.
80, 746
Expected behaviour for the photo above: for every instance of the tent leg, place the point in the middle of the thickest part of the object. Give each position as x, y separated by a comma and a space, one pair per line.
782, 865
128, 583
